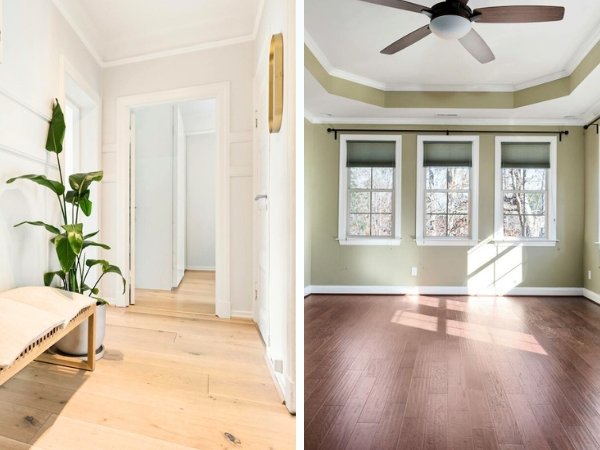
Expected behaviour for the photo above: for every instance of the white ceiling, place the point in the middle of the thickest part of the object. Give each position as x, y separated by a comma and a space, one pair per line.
119, 30
347, 35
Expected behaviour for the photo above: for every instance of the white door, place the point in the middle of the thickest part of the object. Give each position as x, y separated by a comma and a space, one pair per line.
261, 203
179, 197
153, 233
131, 284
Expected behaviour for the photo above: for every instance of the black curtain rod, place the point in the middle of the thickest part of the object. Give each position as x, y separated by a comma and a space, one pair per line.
336, 131
593, 122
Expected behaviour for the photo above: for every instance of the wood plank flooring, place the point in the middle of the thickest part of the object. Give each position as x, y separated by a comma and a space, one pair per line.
194, 296
438, 372
164, 383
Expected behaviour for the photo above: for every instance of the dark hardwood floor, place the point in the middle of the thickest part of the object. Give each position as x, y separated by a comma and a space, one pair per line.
439, 372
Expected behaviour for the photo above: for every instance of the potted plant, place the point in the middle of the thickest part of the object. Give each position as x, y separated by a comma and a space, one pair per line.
70, 241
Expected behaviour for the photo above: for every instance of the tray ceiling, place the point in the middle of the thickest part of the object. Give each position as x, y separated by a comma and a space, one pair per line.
347, 35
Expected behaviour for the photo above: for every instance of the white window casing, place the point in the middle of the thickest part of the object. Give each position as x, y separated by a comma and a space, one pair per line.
550, 193
343, 237
473, 213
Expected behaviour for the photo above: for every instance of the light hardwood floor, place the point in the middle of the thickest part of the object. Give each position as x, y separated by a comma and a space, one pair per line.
165, 383
194, 296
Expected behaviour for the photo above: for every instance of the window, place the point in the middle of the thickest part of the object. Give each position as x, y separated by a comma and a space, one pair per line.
447, 190
369, 208
525, 189
71, 142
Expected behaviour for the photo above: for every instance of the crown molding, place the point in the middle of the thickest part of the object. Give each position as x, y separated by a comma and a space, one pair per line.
258, 18
338, 120
570, 67
78, 31
583, 50
95, 53
179, 51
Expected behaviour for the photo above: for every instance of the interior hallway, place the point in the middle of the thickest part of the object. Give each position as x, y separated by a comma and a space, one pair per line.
164, 383
194, 296
437, 372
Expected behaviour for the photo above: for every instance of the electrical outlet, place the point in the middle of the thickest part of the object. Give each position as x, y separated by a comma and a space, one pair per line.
413, 271
589, 274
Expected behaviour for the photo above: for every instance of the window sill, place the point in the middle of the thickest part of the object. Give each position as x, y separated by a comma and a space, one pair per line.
446, 242
526, 242
370, 242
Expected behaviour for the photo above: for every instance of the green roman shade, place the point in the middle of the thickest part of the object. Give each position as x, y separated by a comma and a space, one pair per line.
371, 154
447, 154
526, 155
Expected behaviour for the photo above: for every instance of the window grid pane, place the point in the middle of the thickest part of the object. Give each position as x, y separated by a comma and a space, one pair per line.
525, 207
447, 202
371, 202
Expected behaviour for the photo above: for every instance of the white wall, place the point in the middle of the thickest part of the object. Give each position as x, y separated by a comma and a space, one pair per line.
154, 197
233, 64
201, 163
35, 37
279, 17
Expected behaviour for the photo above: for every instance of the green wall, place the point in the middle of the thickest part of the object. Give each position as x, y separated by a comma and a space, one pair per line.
335, 265
308, 190
591, 249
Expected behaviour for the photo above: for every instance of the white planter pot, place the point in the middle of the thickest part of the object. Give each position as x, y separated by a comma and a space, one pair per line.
75, 343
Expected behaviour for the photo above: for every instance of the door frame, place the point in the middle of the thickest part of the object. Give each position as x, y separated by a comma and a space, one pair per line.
261, 75
220, 92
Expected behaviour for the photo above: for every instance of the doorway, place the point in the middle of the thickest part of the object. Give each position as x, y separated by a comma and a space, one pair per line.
174, 207
126, 248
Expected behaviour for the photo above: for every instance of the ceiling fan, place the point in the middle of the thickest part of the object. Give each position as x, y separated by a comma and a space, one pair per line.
453, 19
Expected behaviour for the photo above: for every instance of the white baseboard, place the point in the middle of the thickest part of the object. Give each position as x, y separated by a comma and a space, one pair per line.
201, 268
591, 295
444, 290
275, 376
223, 309
242, 314
290, 387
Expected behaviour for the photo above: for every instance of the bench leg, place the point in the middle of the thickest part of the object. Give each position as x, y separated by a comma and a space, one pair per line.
91, 355
74, 363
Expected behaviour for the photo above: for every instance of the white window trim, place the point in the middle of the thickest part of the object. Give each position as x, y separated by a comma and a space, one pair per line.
499, 237
474, 194
343, 192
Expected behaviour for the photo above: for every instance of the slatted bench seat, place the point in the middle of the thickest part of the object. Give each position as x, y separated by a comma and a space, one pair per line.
33, 319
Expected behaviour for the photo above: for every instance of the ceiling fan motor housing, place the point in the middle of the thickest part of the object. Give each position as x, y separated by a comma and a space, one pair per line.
450, 19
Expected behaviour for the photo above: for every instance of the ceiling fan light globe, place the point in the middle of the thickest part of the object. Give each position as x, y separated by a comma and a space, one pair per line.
450, 26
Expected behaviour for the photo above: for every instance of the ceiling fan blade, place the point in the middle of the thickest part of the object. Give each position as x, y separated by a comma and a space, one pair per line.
518, 14
407, 40
400, 4
477, 47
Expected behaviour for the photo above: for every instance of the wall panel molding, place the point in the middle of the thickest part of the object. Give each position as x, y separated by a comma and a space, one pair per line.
25, 105
24, 155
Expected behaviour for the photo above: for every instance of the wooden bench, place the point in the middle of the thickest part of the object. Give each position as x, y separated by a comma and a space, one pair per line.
33, 319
